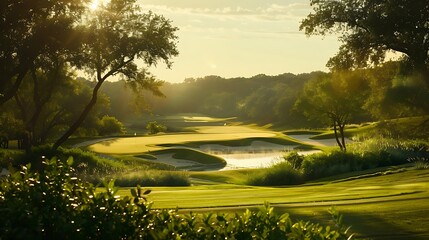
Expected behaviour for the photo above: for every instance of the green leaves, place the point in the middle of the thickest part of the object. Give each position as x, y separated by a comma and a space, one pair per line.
369, 29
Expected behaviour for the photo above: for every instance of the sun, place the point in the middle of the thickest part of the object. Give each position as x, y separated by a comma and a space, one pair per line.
94, 5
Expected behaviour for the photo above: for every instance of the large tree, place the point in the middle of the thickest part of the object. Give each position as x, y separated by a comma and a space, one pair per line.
29, 30
122, 41
369, 29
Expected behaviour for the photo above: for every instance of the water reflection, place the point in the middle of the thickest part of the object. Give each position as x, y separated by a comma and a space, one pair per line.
256, 160
259, 154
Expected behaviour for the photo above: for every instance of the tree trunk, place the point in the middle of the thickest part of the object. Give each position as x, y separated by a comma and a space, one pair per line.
343, 141
7, 95
336, 136
81, 118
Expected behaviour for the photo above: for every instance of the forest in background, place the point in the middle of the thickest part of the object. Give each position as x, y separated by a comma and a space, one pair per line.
286, 100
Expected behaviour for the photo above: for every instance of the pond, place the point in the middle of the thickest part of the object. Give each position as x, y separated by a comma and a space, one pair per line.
255, 160
259, 154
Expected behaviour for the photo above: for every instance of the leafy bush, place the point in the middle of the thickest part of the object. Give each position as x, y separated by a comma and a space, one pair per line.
154, 127
54, 204
110, 125
86, 163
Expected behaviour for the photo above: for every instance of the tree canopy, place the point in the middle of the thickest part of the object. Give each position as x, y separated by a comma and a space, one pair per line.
370, 29
31, 29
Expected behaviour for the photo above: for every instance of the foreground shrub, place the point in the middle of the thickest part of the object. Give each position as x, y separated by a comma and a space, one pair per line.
53, 204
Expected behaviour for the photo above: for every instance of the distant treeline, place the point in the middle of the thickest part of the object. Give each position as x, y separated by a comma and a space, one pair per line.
261, 98
287, 100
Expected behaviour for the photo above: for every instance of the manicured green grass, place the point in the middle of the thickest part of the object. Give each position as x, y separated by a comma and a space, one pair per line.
282, 140
405, 127
135, 145
348, 132
220, 177
391, 203
303, 132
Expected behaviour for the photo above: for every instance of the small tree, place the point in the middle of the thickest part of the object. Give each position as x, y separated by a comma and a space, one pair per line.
332, 97
110, 125
155, 127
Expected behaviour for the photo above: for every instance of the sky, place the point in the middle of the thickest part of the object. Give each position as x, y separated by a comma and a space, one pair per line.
240, 38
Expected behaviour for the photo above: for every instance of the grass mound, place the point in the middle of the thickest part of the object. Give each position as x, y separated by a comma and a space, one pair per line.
84, 162
192, 155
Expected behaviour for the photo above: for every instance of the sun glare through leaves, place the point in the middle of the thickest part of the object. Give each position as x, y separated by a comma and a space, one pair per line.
95, 4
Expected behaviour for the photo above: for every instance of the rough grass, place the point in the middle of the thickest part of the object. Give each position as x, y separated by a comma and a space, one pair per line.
150, 178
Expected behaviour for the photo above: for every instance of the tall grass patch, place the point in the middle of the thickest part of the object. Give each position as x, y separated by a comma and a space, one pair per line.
336, 162
152, 178
279, 174
368, 154
388, 151
86, 163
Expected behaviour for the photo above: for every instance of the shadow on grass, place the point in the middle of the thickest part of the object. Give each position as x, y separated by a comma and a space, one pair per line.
372, 221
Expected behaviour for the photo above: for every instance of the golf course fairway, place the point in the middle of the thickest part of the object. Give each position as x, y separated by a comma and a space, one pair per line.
388, 204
